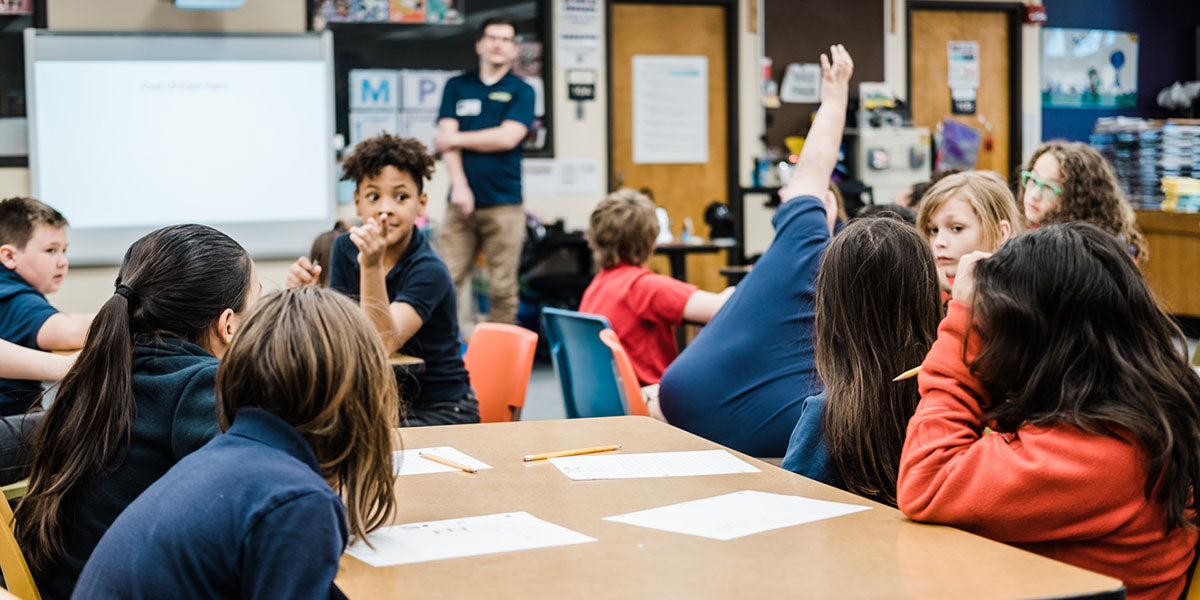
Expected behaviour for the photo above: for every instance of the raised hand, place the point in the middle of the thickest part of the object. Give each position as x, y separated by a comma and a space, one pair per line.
836, 69
371, 240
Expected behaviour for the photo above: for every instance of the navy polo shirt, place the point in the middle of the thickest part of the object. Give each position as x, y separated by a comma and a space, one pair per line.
248, 515
421, 280
23, 311
494, 177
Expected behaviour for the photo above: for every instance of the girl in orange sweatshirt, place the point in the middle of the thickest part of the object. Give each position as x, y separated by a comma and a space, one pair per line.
1057, 344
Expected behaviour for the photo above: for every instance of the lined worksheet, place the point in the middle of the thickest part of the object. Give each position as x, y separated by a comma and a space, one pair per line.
737, 514
652, 464
469, 536
409, 462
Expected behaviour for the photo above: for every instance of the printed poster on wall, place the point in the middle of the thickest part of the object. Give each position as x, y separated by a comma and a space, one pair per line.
670, 109
1089, 68
447, 12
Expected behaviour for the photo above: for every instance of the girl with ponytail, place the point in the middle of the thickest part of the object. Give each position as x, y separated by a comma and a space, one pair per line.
138, 399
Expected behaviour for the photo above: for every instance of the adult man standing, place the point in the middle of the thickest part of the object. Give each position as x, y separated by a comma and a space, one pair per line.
483, 119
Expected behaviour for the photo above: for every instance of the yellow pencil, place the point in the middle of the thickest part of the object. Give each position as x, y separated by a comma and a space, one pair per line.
533, 457
909, 373
445, 461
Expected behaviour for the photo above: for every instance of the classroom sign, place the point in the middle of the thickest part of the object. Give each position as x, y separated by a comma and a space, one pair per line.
401, 102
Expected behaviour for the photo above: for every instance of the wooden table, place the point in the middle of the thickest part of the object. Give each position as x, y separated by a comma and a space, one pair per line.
411, 364
871, 554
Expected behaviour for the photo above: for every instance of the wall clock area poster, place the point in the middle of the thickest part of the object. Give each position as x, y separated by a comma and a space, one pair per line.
445, 12
1089, 68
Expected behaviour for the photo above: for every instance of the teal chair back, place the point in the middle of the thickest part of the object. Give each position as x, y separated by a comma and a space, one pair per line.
583, 363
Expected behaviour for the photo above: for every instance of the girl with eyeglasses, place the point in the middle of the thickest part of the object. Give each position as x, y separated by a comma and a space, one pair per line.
1069, 181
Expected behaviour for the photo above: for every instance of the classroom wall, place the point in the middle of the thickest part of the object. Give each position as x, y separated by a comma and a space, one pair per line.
895, 67
1167, 52
87, 288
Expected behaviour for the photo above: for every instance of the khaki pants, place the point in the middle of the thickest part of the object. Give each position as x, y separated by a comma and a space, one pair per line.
500, 232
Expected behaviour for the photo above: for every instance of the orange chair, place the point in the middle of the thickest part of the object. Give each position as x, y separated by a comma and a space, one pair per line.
627, 380
499, 360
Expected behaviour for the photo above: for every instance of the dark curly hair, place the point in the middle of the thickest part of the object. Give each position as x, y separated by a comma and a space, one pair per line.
1091, 193
370, 157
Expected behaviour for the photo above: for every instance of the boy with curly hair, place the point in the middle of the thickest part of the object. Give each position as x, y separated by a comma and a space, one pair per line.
400, 282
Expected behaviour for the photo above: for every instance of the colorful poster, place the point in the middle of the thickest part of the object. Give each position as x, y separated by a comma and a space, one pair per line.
16, 7
1089, 68
354, 11
442, 12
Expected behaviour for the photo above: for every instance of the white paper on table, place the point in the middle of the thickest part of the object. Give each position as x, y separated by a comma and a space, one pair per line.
469, 536
409, 462
735, 515
652, 464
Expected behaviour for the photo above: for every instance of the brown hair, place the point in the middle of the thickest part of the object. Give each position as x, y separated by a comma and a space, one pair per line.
173, 282
841, 202
322, 248
878, 305
19, 216
622, 229
1072, 334
989, 197
386, 150
1091, 193
310, 357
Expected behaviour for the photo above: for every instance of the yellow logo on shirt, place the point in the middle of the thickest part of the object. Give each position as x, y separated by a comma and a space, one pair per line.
500, 96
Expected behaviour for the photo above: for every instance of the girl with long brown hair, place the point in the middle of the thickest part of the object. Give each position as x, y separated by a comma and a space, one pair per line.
1056, 343
139, 397
308, 405
877, 310
1070, 181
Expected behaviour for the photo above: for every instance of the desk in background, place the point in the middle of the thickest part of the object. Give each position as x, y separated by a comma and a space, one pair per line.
871, 554
677, 253
1173, 270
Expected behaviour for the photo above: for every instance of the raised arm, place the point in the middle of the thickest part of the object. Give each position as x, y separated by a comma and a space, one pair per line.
820, 153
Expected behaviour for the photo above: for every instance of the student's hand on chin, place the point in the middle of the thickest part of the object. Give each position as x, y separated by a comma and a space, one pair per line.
963, 289
371, 240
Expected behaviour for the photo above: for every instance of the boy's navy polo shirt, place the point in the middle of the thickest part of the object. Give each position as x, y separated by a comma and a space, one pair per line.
23, 311
421, 280
494, 177
248, 515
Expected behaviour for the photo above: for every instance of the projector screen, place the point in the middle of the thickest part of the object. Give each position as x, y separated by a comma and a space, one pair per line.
131, 132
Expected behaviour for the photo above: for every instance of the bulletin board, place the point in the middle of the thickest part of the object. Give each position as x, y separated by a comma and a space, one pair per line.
420, 53
799, 32
14, 19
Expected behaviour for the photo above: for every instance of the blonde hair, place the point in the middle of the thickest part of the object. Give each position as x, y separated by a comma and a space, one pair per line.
622, 229
310, 357
988, 196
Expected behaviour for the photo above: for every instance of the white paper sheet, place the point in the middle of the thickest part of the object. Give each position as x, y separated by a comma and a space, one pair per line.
735, 515
409, 462
652, 464
670, 109
469, 536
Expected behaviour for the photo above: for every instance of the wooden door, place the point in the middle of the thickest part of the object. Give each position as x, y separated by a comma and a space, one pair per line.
683, 189
930, 31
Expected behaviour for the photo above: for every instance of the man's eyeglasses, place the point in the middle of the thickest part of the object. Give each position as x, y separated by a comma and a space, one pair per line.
1047, 189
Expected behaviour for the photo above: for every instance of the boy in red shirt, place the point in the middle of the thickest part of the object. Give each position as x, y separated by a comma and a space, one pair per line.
642, 306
